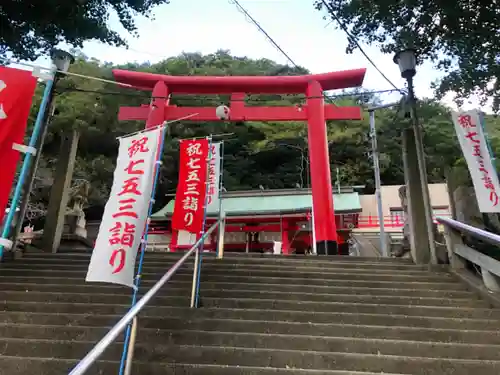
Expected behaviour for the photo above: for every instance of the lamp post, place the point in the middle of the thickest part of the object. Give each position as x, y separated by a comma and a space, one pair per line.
407, 62
61, 60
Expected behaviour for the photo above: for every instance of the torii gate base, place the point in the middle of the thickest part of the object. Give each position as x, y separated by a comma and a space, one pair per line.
315, 112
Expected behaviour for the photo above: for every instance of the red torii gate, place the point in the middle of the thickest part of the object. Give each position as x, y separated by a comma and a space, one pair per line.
315, 112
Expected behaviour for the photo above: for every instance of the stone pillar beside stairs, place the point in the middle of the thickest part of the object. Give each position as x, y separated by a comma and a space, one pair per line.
59, 195
418, 236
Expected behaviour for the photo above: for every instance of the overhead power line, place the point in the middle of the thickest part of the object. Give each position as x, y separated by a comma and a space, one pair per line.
266, 34
287, 56
261, 29
248, 99
353, 39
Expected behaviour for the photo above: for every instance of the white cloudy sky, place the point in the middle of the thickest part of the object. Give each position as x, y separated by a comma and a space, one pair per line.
207, 25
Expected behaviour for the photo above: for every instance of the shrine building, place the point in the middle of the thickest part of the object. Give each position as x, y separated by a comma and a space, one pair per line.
258, 219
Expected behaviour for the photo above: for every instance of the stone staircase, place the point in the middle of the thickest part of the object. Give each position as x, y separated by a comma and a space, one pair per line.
260, 315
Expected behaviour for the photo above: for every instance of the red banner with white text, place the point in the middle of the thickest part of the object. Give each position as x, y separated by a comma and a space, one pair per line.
16, 93
189, 206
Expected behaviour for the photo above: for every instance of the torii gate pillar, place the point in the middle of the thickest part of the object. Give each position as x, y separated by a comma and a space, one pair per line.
321, 181
315, 112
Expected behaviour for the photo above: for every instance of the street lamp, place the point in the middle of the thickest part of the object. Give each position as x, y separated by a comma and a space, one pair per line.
61, 60
407, 62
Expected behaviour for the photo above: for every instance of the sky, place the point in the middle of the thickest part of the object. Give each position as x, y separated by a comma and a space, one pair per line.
208, 25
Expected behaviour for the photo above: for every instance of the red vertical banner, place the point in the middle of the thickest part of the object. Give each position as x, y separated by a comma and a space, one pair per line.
16, 93
189, 205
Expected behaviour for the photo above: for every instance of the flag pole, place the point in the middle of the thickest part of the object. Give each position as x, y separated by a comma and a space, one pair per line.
220, 247
205, 207
144, 242
25, 169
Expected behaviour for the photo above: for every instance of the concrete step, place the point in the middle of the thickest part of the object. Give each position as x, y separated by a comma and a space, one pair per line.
173, 287
162, 310
282, 335
256, 271
256, 316
149, 337
239, 275
259, 357
239, 263
52, 366
258, 283
239, 298
234, 257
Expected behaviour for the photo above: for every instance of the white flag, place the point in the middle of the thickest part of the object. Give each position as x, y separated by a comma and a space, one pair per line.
475, 149
214, 178
126, 212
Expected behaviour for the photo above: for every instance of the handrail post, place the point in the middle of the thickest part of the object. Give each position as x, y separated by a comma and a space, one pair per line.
222, 230
491, 281
453, 238
195, 277
131, 348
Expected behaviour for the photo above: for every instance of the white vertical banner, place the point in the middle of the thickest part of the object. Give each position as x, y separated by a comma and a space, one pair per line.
214, 178
126, 212
474, 146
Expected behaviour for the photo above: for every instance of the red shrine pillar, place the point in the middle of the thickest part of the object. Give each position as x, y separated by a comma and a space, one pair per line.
173, 240
324, 216
285, 242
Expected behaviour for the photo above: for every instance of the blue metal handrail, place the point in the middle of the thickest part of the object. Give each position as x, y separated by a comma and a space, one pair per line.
481, 234
118, 328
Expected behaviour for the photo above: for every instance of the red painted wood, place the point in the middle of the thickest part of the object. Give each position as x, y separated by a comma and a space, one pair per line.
158, 108
324, 215
258, 228
242, 113
248, 84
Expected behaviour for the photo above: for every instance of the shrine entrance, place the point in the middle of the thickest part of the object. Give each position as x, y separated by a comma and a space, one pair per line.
315, 112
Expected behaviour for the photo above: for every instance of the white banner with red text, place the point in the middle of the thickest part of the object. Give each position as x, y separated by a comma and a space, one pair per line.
189, 206
126, 212
214, 178
474, 146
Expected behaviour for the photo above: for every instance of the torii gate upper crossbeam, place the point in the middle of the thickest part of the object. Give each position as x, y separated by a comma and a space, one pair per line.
247, 84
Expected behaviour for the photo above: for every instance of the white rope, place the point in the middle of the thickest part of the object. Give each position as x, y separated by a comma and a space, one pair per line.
39, 67
164, 124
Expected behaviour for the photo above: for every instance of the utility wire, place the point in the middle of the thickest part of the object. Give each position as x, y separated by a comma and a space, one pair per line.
261, 29
353, 39
249, 99
266, 34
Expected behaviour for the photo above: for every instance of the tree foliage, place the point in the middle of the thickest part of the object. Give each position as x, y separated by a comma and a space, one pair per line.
31, 28
271, 155
459, 37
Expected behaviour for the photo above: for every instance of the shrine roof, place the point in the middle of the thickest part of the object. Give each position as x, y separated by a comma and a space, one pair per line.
269, 203
246, 84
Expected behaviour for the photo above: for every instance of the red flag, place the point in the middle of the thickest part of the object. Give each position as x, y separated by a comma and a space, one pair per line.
189, 206
16, 93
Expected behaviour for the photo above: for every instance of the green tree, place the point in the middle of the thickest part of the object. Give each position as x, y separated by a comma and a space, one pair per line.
31, 28
459, 37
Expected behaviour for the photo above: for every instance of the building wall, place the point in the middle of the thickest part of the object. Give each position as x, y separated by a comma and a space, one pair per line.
391, 204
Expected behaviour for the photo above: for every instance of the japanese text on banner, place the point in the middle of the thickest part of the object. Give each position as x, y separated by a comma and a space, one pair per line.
126, 211
189, 205
475, 149
214, 178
